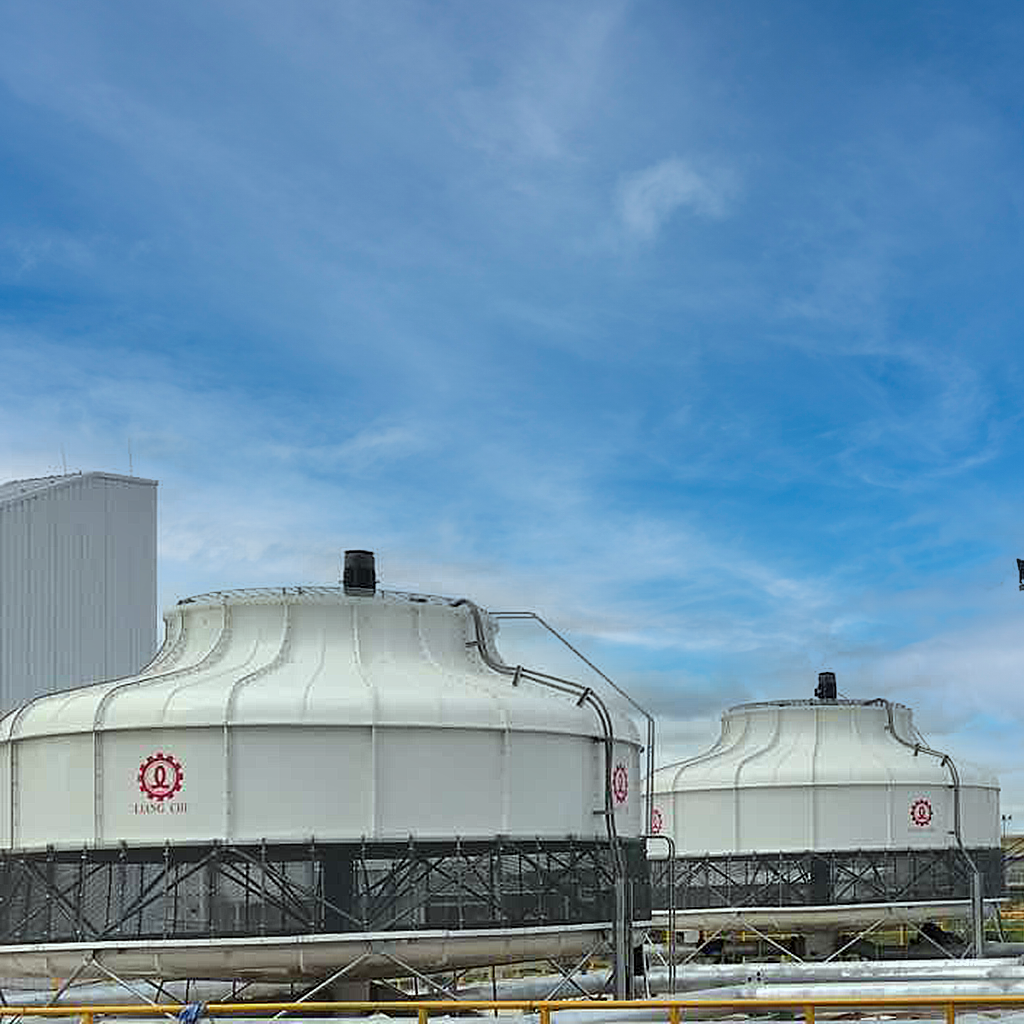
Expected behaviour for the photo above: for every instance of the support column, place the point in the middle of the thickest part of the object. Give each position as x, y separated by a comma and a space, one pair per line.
338, 866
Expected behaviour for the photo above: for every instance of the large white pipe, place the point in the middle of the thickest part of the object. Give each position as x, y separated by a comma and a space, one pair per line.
110, 994
695, 977
783, 980
864, 990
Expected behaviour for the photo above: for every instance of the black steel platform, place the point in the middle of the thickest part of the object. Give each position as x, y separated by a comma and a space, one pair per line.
221, 890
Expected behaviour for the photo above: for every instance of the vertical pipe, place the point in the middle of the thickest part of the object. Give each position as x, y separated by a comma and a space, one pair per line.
671, 906
977, 895
977, 912
623, 959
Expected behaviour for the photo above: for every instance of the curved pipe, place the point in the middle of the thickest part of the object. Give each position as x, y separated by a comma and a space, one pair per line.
977, 904
944, 760
649, 787
584, 695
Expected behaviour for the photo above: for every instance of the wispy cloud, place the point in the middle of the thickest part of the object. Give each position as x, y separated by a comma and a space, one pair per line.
547, 78
380, 444
941, 423
649, 198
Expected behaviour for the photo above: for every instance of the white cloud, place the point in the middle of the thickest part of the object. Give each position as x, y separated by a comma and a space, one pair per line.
380, 444
649, 198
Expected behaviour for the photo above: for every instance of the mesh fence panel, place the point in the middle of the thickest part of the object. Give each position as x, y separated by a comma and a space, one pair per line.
225, 891
825, 878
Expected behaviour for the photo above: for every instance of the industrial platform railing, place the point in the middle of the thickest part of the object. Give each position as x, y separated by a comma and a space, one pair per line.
674, 1009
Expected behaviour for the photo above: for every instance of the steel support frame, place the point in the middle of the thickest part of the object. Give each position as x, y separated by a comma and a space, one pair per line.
225, 890
744, 924
821, 878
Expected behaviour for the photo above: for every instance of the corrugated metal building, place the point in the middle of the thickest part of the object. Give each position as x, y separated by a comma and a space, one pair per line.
77, 581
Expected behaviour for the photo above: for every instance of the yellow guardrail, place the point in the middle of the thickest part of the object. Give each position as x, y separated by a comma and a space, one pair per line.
674, 1009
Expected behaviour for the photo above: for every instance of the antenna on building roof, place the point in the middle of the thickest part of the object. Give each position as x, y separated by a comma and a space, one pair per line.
130, 470
1020, 569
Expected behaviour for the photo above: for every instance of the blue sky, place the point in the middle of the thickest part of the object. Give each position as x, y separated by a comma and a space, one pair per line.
694, 326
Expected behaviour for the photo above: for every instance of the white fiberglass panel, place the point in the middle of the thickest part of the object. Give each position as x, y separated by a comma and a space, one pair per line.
850, 817
55, 792
553, 787
704, 821
783, 813
181, 794
196, 698
439, 782
627, 786
443, 645
981, 821
827, 744
293, 783
189, 647
922, 816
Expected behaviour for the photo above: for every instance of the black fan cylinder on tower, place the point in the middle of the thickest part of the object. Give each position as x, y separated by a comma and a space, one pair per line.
360, 577
826, 689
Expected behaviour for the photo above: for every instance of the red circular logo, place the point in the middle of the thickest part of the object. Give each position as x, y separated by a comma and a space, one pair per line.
620, 783
921, 812
657, 821
160, 776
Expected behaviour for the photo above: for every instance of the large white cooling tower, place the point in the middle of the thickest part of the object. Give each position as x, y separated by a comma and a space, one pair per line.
284, 714
299, 776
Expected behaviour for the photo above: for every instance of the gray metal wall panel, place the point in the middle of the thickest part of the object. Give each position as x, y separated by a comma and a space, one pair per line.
77, 584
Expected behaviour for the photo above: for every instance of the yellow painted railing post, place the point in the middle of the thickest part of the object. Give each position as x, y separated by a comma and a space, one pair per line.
673, 1015
809, 1013
423, 1014
545, 1015
86, 1018
950, 1013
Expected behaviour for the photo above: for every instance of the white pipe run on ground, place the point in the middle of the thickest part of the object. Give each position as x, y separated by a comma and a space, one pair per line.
694, 977
690, 977
864, 978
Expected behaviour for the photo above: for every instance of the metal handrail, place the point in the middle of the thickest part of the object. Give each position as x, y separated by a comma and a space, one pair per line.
543, 1007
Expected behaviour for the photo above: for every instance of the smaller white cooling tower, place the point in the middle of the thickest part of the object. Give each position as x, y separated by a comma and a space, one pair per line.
823, 813
823, 776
